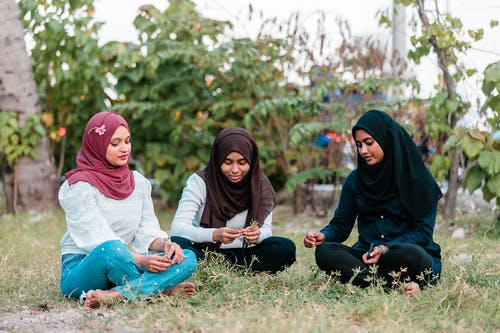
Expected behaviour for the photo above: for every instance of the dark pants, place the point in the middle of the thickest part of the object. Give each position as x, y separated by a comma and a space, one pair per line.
408, 260
272, 255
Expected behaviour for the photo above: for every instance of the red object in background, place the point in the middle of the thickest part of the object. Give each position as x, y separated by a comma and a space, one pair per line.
61, 131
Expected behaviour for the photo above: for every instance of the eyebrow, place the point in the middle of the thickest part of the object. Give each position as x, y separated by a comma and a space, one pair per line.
119, 138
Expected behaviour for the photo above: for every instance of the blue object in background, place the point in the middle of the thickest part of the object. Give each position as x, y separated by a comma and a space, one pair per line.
322, 141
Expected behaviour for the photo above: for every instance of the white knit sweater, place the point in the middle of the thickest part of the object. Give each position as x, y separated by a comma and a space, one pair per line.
186, 221
93, 218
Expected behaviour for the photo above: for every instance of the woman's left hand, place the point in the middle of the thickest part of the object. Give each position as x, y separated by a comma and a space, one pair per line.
173, 251
251, 233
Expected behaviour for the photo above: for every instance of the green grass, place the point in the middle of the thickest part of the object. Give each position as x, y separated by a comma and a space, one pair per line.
300, 299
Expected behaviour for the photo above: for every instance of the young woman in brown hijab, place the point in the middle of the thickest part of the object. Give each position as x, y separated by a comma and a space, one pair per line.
227, 207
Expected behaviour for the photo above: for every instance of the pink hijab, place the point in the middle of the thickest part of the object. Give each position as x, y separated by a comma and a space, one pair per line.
91, 163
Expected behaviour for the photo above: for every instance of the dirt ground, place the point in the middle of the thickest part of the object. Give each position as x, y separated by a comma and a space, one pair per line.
49, 320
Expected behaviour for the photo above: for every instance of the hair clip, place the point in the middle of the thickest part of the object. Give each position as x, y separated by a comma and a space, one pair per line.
99, 130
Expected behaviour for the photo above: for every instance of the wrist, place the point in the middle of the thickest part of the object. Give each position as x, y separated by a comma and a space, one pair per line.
215, 235
384, 249
166, 242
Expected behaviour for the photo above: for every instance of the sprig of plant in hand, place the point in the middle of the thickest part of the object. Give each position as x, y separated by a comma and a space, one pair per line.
253, 223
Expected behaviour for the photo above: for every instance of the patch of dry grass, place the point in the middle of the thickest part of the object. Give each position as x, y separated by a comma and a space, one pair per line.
301, 299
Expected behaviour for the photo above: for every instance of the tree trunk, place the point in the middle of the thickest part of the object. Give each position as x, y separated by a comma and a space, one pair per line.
34, 183
453, 178
453, 183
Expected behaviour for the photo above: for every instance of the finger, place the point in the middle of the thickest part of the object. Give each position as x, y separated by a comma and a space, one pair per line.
178, 255
231, 231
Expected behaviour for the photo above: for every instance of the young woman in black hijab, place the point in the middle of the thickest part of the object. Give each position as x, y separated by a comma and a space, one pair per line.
393, 197
227, 207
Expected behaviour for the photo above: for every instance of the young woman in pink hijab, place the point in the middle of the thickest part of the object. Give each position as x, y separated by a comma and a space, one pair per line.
108, 209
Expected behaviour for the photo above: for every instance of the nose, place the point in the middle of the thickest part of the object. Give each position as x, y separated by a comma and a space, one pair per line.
124, 147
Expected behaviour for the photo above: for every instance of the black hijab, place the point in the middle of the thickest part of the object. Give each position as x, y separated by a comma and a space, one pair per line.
226, 199
402, 172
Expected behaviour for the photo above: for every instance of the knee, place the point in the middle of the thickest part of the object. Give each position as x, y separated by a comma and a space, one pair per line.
323, 256
411, 250
189, 261
321, 251
285, 247
114, 251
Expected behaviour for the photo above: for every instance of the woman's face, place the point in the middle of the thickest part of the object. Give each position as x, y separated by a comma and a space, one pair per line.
368, 148
119, 147
235, 167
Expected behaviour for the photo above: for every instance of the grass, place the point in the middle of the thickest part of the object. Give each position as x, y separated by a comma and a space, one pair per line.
300, 299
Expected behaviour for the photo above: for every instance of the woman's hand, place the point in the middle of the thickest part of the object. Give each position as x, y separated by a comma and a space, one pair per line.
152, 263
313, 238
375, 255
173, 252
251, 233
225, 235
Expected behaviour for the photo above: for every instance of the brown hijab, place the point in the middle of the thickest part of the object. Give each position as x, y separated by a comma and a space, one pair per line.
91, 163
226, 199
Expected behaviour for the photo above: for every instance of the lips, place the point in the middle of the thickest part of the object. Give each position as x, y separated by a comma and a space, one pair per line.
235, 178
123, 157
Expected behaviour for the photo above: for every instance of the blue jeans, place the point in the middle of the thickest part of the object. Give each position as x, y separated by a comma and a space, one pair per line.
111, 266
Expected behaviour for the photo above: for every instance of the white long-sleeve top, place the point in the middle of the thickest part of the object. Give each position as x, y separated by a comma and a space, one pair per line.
92, 218
186, 221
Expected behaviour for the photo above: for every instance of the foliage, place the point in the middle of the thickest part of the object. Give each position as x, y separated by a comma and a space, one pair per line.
17, 141
446, 36
164, 86
482, 148
67, 66
187, 77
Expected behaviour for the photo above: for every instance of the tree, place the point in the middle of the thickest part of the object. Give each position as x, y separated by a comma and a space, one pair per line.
164, 87
71, 77
28, 168
446, 37
345, 82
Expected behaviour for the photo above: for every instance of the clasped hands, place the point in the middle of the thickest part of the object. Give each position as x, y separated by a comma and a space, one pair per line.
157, 263
227, 235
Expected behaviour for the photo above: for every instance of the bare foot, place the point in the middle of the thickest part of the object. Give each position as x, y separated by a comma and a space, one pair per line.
94, 298
412, 288
184, 288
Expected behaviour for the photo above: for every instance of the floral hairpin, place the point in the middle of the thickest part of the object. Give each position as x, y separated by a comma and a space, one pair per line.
99, 130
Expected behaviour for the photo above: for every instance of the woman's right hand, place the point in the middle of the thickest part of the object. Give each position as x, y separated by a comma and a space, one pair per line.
225, 235
153, 263
313, 238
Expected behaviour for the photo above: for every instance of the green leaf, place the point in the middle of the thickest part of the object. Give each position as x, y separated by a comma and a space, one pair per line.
490, 161
303, 176
493, 185
492, 72
14, 139
385, 21
474, 179
471, 146
452, 142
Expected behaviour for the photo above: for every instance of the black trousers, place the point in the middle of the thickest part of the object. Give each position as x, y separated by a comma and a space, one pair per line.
272, 255
407, 260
